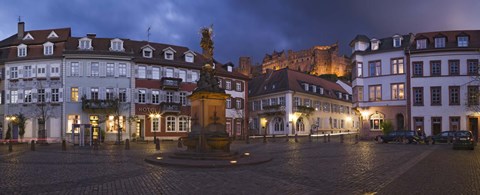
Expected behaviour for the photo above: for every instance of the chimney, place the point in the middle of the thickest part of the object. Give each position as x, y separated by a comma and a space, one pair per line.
91, 35
21, 30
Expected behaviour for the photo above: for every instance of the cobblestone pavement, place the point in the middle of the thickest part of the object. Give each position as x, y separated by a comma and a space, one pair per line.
297, 168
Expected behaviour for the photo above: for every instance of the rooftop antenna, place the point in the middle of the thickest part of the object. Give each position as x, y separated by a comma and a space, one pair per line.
148, 33
19, 18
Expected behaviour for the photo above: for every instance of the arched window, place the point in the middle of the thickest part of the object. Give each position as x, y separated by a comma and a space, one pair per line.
278, 124
182, 123
300, 125
376, 121
170, 124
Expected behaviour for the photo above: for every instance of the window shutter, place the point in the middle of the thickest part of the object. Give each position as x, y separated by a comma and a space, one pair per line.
81, 67
80, 93
20, 72
242, 84
68, 69
242, 103
176, 97
116, 67
149, 72
148, 96
224, 83
103, 69
189, 77
129, 94
136, 71
115, 93
162, 96
135, 95
7, 94
20, 96
67, 94
129, 70
34, 95
89, 69
102, 94
88, 93
175, 73
7, 73
48, 92
60, 94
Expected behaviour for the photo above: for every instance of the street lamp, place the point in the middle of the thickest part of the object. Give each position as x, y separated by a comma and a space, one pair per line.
155, 116
10, 119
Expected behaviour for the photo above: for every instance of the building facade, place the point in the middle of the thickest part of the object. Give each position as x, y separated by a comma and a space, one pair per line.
291, 102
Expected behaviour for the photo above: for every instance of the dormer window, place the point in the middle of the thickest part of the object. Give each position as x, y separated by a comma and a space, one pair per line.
440, 42
116, 45
52, 35
462, 41
28, 37
85, 43
48, 48
22, 50
169, 53
422, 44
229, 68
375, 44
147, 51
189, 56
397, 41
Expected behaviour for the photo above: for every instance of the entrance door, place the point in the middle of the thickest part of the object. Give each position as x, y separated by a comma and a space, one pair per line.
139, 128
474, 127
436, 125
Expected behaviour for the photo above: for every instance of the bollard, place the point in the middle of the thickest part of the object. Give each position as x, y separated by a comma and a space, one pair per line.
127, 144
328, 138
310, 137
64, 145
179, 144
264, 138
273, 136
356, 139
341, 138
324, 138
32, 145
157, 144
10, 146
286, 135
296, 138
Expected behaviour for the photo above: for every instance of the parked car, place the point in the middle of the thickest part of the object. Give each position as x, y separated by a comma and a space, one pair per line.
443, 137
463, 139
410, 136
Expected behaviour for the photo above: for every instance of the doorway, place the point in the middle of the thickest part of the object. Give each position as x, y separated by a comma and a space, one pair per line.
436, 125
400, 121
139, 129
473, 125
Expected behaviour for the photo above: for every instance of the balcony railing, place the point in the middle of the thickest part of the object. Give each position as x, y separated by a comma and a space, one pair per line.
273, 110
169, 107
303, 109
94, 104
171, 83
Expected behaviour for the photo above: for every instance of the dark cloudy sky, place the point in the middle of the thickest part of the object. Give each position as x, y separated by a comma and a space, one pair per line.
243, 27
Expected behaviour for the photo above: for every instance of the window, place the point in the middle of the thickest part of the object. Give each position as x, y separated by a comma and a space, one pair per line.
155, 97
281, 101
109, 94
436, 96
73, 119
472, 95
238, 104
183, 98
182, 123
27, 72
376, 121
375, 68
122, 95
462, 41
54, 70
156, 73
359, 69
85, 43
122, 70
397, 66
141, 96
168, 55
360, 93
326, 107
169, 72
41, 71
13, 72
110, 69
94, 93
13, 96
297, 101
418, 123
440, 42
418, 96
472, 67
155, 124
397, 41
55, 95
194, 76
189, 58
142, 72
256, 105
454, 123
41, 95
453, 67
307, 102
95, 69
48, 48
116, 45
170, 123
278, 124
28, 96
375, 92
454, 95
147, 53
229, 103
183, 75
273, 101
228, 85
422, 44
398, 91
342, 124
22, 50
375, 45
435, 68
75, 69
238, 86
169, 96
418, 69
74, 94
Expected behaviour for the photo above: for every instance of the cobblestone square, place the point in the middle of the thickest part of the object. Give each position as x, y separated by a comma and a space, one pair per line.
297, 168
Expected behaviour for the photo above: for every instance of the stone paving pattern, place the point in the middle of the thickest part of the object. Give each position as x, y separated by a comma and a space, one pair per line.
297, 168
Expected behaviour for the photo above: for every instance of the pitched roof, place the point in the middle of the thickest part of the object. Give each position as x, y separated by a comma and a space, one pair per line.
40, 37
451, 40
287, 79
362, 38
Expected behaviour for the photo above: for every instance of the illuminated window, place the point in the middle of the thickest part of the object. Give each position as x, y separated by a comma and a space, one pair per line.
183, 123
74, 94
398, 91
376, 121
155, 125
73, 119
170, 123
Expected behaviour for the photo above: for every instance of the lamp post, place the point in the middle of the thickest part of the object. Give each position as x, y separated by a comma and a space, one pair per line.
10, 119
155, 116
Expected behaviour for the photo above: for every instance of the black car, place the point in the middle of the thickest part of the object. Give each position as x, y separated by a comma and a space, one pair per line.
398, 136
463, 139
443, 137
